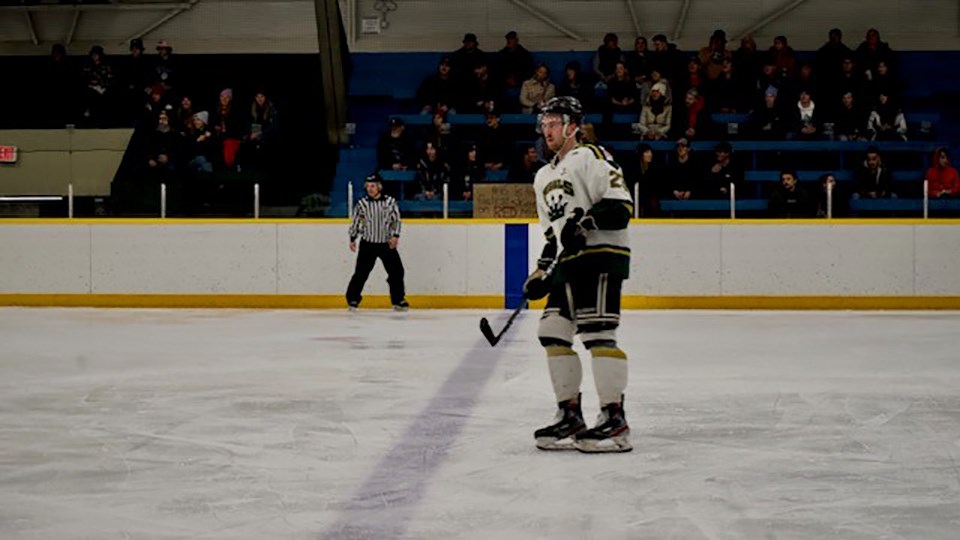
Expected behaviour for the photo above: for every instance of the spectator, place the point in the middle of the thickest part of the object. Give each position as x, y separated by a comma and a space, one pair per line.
839, 198
683, 174
789, 199
636, 61
726, 91
199, 148
654, 78
440, 134
804, 120
851, 120
886, 122
162, 152
606, 59
783, 56
657, 114
665, 58
262, 131
646, 181
482, 93
165, 70
588, 134
527, 166
439, 88
747, 63
873, 178
98, 78
494, 145
694, 78
185, 112
851, 79
883, 82
769, 77
622, 92
573, 84
871, 52
433, 172
943, 180
767, 121
156, 103
60, 84
722, 173
228, 127
137, 78
470, 171
515, 62
467, 58
829, 58
805, 80
714, 55
536, 90
696, 122
395, 148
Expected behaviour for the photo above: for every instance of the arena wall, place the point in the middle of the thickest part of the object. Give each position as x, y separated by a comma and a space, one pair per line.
459, 263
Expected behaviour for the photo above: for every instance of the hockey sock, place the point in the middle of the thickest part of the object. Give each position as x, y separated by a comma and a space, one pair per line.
565, 371
609, 373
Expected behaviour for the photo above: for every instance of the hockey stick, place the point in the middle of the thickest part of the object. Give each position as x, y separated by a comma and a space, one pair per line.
487, 331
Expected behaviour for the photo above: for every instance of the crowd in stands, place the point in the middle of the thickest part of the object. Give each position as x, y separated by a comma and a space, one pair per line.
180, 135
842, 93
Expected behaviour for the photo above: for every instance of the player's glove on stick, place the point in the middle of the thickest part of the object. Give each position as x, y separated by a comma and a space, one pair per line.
537, 285
574, 233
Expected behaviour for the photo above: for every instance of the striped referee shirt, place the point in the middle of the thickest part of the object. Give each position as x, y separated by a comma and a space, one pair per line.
375, 220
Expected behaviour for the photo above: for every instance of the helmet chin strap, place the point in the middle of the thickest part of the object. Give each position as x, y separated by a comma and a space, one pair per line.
572, 135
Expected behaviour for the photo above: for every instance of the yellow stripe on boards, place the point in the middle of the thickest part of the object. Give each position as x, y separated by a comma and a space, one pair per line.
559, 350
608, 352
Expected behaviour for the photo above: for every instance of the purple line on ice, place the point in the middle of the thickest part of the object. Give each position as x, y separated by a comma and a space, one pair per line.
384, 504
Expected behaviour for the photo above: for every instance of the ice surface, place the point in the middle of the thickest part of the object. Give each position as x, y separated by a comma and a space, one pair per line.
232, 424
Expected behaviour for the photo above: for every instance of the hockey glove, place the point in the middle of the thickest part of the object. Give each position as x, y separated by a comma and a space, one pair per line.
573, 236
537, 285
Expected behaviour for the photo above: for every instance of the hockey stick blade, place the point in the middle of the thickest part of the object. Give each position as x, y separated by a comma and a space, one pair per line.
488, 332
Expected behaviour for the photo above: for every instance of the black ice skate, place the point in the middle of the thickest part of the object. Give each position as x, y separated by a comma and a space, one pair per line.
567, 423
611, 434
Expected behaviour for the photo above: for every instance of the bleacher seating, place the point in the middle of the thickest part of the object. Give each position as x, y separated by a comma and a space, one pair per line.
383, 85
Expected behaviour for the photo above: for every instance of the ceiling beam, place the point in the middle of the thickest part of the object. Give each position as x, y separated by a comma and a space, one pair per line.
164, 6
31, 28
547, 19
73, 26
633, 17
161, 21
759, 25
681, 20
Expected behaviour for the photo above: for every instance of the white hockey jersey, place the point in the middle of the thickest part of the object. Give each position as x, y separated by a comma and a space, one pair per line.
584, 177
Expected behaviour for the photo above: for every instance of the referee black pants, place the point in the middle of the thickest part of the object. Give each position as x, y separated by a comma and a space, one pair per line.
368, 254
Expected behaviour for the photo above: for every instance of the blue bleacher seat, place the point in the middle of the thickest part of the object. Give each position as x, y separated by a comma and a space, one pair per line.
716, 205
841, 175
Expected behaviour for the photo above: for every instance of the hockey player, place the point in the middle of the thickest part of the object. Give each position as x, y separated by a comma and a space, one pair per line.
584, 207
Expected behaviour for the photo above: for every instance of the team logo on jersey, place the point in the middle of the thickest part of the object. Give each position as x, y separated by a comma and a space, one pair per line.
555, 195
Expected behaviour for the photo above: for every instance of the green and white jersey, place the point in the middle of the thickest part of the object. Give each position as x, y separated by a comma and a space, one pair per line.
587, 177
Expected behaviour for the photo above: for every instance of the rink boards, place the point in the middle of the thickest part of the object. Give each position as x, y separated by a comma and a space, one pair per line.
849, 264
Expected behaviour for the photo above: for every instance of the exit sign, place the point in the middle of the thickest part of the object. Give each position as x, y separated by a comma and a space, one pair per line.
8, 154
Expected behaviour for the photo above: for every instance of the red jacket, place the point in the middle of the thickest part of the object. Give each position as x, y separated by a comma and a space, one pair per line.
942, 178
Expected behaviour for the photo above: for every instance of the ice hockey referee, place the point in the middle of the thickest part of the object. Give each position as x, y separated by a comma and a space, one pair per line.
376, 222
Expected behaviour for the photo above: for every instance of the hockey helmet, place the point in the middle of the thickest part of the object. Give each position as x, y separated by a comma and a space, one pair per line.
566, 106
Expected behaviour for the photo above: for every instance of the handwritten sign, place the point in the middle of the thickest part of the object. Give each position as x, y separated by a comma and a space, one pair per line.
504, 201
